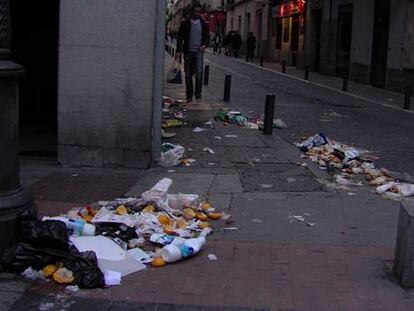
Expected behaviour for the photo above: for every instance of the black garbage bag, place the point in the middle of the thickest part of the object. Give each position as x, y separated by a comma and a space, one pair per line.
83, 265
24, 255
85, 270
50, 233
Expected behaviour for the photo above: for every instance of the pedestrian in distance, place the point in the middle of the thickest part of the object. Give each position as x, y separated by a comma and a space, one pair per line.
227, 43
217, 44
193, 38
236, 44
251, 46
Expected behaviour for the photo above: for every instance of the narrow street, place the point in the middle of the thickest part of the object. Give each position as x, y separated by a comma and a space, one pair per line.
309, 109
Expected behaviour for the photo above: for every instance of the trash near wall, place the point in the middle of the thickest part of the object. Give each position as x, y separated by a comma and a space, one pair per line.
96, 245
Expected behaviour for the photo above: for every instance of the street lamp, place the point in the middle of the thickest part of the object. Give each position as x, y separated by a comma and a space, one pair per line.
13, 199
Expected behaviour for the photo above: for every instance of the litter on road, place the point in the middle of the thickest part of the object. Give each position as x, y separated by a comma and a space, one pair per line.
352, 166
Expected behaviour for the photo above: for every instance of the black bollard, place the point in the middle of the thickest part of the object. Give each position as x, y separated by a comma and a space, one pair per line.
345, 82
173, 52
261, 61
180, 58
247, 57
284, 66
206, 74
227, 87
307, 72
407, 97
268, 115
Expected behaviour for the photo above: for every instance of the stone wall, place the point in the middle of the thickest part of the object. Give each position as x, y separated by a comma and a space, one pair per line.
106, 80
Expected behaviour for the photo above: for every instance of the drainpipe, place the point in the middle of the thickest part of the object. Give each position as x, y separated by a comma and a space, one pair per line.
14, 200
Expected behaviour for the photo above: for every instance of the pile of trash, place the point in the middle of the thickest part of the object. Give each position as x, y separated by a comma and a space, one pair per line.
350, 164
236, 117
173, 115
96, 245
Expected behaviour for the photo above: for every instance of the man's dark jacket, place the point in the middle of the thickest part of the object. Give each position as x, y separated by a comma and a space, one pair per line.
183, 38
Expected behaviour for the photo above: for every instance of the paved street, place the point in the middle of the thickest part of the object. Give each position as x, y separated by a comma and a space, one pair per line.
270, 262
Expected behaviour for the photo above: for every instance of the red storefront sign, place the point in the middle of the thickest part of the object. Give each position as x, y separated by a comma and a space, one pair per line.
214, 18
289, 8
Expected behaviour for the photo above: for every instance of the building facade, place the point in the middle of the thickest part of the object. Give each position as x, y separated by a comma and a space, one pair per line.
247, 16
371, 40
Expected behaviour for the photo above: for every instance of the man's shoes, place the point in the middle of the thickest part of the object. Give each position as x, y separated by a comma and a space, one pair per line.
189, 100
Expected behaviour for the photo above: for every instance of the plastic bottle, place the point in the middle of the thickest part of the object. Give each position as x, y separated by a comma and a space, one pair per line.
172, 252
166, 239
78, 226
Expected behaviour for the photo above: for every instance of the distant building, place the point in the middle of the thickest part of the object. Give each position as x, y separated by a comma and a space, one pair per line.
247, 16
371, 40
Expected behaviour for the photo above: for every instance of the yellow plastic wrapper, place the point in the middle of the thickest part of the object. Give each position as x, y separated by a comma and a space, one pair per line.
121, 210
149, 209
49, 270
164, 219
188, 213
63, 276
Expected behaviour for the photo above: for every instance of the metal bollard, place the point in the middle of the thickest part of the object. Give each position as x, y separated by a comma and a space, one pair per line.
345, 82
247, 57
284, 66
173, 52
407, 97
227, 88
180, 58
268, 115
307, 72
261, 61
206, 74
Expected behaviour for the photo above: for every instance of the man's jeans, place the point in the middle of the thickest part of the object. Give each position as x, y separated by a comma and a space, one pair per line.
193, 65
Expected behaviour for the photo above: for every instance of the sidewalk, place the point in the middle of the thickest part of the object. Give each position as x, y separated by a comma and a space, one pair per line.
269, 263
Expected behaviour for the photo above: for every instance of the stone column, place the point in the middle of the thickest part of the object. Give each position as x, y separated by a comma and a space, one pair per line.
13, 199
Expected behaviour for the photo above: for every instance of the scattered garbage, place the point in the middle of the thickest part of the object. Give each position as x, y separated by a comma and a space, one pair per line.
94, 246
199, 130
72, 288
209, 150
236, 117
352, 166
298, 218
266, 186
291, 180
170, 155
311, 224
257, 221
212, 257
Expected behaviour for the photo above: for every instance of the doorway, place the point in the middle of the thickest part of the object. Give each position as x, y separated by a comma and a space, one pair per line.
316, 37
294, 39
258, 22
35, 33
380, 43
343, 50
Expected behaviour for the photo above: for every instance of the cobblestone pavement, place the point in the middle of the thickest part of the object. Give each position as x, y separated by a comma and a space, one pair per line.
308, 109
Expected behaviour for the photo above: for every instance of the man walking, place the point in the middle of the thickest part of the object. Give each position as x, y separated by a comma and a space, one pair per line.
193, 38
251, 46
236, 44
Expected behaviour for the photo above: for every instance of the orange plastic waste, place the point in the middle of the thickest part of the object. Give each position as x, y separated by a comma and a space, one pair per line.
49, 270
164, 219
63, 276
158, 262
214, 215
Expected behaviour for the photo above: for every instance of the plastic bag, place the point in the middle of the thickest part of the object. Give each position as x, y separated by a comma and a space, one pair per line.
174, 75
313, 141
171, 155
180, 200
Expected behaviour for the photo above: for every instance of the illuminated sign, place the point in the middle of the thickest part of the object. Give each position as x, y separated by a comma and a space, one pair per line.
286, 8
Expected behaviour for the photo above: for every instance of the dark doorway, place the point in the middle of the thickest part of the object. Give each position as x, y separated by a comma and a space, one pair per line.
343, 50
35, 33
316, 37
380, 43
294, 42
279, 28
